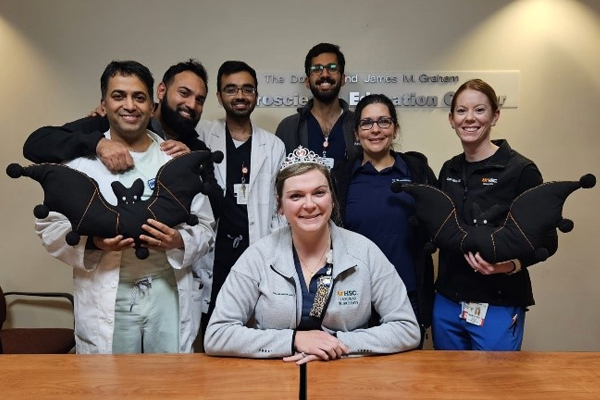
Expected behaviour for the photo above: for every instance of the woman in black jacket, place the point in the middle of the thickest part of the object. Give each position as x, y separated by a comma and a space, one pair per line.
479, 305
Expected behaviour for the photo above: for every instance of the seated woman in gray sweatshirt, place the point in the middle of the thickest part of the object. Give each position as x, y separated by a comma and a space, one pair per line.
306, 292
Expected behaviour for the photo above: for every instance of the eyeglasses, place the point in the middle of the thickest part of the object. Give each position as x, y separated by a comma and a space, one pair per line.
247, 90
332, 68
383, 123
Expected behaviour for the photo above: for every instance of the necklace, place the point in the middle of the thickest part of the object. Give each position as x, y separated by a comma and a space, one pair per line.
312, 271
326, 124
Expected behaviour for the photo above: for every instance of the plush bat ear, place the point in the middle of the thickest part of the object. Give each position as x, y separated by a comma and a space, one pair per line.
489, 217
120, 190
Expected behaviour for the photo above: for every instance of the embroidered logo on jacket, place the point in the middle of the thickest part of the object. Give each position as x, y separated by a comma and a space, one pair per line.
347, 297
453, 180
489, 181
283, 294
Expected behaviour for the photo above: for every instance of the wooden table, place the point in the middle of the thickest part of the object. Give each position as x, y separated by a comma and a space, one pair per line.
412, 375
458, 375
144, 376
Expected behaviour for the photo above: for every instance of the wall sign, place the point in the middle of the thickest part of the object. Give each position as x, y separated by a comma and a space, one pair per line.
407, 89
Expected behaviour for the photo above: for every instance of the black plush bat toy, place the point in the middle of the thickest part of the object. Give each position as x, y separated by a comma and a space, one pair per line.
530, 217
77, 196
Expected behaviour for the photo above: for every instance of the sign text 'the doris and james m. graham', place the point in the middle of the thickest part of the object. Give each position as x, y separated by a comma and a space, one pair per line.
407, 89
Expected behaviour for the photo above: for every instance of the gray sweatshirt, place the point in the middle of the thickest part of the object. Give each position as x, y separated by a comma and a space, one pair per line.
260, 304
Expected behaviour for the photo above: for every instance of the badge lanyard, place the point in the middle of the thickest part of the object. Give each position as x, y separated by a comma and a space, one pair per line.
323, 294
328, 161
325, 143
244, 174
240, 189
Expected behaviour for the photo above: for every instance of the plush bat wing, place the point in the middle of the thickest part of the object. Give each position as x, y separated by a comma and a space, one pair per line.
77, 196
436, 211
530, 217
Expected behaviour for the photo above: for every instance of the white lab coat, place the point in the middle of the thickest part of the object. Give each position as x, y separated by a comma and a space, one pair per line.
267, 154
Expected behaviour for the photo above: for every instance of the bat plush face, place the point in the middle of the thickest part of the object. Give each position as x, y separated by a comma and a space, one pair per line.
77, 196
128, 196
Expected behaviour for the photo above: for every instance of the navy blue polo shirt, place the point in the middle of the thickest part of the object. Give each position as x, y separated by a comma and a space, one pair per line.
381, 215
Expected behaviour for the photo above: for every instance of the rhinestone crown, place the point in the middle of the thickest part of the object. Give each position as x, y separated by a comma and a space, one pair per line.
301, 155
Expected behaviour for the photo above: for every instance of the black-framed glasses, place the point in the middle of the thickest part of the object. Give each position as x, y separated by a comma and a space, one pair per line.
332, 68
383, 123
232, 90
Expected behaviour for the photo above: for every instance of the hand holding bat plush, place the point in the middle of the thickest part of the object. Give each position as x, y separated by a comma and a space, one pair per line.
530, 217
77, 196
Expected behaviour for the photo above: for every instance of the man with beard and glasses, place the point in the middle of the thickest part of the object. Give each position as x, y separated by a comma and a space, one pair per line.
247, 173
324, 124
181, 96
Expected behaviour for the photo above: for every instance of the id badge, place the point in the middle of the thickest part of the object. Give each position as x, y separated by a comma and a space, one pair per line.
474, 313
241, 193
328, 162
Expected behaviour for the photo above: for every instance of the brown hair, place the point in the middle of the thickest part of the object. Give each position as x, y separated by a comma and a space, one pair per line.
480, 86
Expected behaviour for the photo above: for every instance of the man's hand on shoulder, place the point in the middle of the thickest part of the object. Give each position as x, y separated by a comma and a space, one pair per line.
174, 148
114, 155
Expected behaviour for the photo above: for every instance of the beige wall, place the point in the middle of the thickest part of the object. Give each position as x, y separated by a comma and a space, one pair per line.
52, 53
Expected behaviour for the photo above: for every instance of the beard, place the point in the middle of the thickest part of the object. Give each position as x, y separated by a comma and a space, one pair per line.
183, 127
326, 96
232, 112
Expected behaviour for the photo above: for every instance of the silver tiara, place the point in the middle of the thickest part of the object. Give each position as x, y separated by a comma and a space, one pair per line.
301, 155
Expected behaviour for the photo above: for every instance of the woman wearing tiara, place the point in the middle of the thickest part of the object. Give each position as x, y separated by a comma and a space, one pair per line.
306, 292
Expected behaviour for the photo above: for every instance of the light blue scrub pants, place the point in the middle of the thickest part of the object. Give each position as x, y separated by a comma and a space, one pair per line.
147, 322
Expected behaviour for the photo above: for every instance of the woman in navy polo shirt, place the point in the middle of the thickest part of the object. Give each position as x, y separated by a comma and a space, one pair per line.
369, 207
